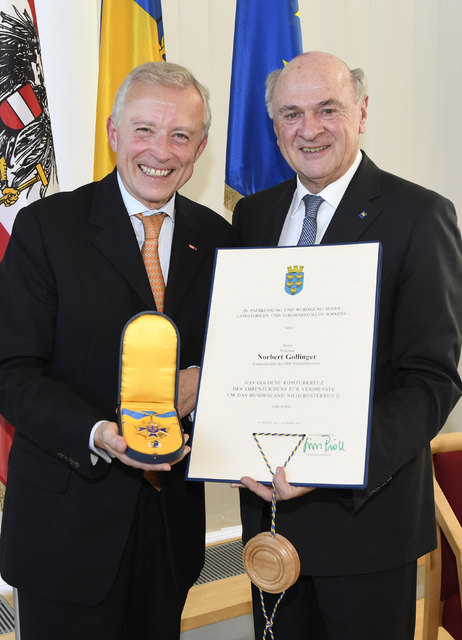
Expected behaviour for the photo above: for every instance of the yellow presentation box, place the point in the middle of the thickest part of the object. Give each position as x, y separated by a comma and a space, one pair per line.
148, 384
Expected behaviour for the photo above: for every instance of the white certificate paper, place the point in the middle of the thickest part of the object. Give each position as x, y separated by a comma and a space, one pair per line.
287, 371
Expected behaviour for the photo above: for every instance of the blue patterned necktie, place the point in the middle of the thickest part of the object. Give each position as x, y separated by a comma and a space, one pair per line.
310, 225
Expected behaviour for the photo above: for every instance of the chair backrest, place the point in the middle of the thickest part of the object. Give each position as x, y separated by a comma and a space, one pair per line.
448, 473
447, 461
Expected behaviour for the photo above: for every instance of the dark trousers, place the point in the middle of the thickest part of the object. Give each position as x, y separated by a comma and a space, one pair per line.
143, 602
378, 606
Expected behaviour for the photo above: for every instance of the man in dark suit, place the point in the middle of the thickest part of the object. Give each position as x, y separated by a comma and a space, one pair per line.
94, 550
358, 548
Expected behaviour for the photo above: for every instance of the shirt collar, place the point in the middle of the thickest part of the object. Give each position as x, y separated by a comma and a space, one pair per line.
334, 192
134, 206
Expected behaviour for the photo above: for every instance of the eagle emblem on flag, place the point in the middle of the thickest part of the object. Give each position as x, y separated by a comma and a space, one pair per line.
27, 159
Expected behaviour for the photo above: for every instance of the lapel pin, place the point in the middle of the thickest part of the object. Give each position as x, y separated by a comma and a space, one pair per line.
191, 246
362, 215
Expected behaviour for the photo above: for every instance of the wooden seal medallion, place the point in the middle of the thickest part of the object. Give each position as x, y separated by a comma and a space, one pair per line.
271, 562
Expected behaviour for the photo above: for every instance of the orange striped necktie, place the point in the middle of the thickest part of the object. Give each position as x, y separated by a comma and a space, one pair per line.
152, 225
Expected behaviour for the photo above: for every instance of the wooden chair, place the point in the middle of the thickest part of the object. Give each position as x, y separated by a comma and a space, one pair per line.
443, 566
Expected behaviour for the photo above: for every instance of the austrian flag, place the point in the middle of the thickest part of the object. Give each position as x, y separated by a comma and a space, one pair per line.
27, 159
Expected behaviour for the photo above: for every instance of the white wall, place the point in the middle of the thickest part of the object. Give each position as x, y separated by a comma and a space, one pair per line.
411, 51
69, 38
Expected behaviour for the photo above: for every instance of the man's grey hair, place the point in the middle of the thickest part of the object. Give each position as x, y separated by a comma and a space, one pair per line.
358, 78
164, 74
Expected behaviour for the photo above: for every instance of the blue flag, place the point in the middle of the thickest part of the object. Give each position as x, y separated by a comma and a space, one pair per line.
267, 35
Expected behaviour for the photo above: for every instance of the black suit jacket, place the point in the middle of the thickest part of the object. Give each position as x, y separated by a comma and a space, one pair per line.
341, 532
71, 278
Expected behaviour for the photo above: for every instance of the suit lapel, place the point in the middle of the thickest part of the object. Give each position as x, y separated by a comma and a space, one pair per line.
276, 214
355, 213
357, 209
189, 247
112, 233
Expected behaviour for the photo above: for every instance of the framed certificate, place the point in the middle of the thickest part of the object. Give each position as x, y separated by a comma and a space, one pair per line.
288, 363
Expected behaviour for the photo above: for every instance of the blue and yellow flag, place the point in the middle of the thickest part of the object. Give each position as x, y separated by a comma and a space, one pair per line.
131, 33
267, 35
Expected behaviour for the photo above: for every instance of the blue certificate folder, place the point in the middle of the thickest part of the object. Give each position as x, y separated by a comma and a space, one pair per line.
288, 365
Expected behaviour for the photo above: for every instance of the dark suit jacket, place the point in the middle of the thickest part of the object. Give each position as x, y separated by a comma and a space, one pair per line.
71, 278
341, 532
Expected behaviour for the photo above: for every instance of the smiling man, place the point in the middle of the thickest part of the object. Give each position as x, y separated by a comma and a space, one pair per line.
358, 549
158, 133
94, 549
318, 118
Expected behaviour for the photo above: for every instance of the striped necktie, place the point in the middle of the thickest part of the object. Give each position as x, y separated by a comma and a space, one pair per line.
150, 252
310, 224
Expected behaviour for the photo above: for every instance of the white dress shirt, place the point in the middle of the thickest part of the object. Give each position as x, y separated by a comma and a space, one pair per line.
332, 194
133, 207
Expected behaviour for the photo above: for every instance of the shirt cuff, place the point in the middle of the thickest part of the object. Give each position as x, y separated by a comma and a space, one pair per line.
192, 415
96, 452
